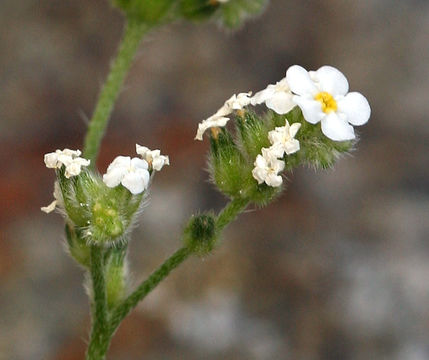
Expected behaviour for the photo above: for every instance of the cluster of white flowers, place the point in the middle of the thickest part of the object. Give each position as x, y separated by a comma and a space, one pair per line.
268, 165
134, 173
69, 158
322, 96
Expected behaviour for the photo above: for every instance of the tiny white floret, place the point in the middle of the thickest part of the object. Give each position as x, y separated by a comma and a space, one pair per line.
69, 158
153, 157
323, 97
220, 119
283, 139
267, 168
131, 173
277, 97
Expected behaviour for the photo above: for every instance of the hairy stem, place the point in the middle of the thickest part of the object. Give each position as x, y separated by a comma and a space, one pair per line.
133, 34
230, 212
123, 309
99, 342
227, 215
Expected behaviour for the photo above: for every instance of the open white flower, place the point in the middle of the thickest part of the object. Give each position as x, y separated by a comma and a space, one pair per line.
131, 173
69, 158
283, 139
219, 119
323, 96
267, 168
153, 157
277, 97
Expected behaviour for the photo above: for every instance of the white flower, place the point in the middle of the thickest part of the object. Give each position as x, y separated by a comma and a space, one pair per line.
277, 97
282, 139
267, 167
153, 157
131, 173
69, 158
323, 96
235, 102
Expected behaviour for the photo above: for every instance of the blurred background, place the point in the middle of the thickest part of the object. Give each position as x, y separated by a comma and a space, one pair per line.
337, 268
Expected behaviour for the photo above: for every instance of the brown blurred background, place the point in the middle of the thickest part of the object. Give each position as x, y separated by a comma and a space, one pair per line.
338, 268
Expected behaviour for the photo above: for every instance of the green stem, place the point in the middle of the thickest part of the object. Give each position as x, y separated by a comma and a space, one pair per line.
227, 215
99, 342
123, 309
133, 34
230, 212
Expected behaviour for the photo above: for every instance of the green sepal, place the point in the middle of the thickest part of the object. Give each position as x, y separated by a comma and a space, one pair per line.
198, 10
234, 12
116, 275
200, 234
150, 12
316, 149
253, 133
77, 247
229, 169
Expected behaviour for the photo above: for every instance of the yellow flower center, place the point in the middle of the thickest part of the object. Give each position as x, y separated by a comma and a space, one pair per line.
327, 100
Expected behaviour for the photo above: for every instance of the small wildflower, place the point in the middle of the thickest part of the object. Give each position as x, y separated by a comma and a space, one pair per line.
69, 158
219, 119
283, 139
267, 168
131, 173
323, 96
277, 97
153, 157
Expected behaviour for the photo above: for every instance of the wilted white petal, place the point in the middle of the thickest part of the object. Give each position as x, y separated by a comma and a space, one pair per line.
332, 80
51, 160
50, 207
356, 108
336, 128
153, 157
209, 123
267, 167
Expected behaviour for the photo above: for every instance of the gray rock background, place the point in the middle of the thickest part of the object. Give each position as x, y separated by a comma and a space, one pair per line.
337, 268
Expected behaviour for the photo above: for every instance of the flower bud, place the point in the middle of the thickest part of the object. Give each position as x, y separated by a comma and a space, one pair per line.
235, 12
230, 171
198, 10
144, 11
200, 234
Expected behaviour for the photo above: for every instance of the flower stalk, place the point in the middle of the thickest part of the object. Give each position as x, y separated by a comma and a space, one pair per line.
133, 34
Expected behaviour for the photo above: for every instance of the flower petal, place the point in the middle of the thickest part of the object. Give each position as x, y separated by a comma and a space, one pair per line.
263, 95
337, 129
293, 129
139, 163
311, 109
134, 182
114, 176
332, 80
299, 81
356, 108
50, 207
281, 102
